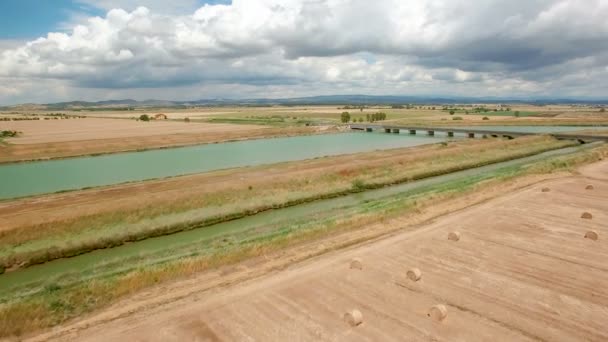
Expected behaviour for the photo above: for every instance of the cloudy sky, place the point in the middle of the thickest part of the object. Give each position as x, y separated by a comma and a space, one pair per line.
191, 49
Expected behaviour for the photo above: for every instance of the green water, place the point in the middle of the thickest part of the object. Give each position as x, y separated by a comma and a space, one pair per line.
26, 179
86, 265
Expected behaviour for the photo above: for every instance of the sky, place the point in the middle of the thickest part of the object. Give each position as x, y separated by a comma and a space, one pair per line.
63, 50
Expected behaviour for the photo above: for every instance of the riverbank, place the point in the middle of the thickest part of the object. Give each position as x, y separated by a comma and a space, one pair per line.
59, 139
59, 301
522, 271
41, 229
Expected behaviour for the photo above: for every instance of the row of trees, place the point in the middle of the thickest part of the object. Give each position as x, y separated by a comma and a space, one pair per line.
345, 117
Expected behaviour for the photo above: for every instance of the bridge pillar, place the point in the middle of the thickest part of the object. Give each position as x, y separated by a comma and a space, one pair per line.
387, 130
450, 134
396, 130
471, 135
412, 131
368, 129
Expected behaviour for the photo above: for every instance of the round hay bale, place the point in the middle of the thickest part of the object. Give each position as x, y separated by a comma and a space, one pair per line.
591, 235
545, 190
356, 264
589, 187
353, 318
438, 312
454, 236
587, 215
414, 274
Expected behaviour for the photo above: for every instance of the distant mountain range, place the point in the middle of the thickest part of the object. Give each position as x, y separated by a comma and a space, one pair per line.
312, 100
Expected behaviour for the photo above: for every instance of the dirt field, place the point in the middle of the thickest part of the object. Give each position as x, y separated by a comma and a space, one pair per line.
47, 139
522, 271
52, 131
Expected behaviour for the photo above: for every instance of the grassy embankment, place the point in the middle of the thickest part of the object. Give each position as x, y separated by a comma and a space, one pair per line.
54, 303
40, 243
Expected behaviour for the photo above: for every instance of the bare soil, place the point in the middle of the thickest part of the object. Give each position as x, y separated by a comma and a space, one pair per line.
521, 271
47, 139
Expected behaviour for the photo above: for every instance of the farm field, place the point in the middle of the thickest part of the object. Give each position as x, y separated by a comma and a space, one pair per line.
520, 277
59, 263
90, 281
48, 139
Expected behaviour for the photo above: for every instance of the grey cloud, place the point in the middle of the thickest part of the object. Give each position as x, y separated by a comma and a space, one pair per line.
386, 45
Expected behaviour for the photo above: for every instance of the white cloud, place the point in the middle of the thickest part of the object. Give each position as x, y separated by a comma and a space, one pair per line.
263, 47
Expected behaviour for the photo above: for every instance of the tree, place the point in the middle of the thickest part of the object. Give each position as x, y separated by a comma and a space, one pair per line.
345, 117
452, 112
361, 119
517, 114
602, 110
144, 117
368, 118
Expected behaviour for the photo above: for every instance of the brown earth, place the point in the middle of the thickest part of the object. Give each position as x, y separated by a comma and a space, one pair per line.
521, 271
48, 139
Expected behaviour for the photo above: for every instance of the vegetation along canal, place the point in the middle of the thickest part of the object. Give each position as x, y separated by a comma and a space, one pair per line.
164, 248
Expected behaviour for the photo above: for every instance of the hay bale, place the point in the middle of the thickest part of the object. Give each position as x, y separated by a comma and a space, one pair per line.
414, 274
438, 312
589, 187
356, 264
353, 318
454, 236
591, 235
545, 190
587, 215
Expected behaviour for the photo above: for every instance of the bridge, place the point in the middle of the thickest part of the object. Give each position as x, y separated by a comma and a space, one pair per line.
472, 132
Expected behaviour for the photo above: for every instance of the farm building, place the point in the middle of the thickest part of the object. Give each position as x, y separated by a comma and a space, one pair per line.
160, 117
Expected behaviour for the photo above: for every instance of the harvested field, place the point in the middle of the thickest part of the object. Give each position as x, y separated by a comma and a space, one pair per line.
53, 131
523, 273
74, 137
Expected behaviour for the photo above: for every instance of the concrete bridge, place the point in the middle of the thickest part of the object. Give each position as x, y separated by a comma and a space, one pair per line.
472, 132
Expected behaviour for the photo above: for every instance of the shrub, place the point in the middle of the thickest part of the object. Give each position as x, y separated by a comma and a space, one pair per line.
345, 117
457, 118
486, 118
358, 185
452, 112
602, 110
516, 114
186, 119
144, 117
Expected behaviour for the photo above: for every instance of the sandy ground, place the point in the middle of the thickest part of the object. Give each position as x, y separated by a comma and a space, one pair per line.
74, 137
522, 271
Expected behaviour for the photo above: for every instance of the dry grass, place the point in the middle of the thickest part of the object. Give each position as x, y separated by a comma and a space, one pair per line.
39, 243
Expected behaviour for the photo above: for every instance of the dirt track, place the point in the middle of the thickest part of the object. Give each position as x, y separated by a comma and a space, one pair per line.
522, 271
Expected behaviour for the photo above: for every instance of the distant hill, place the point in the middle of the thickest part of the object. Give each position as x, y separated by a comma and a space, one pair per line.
312, 100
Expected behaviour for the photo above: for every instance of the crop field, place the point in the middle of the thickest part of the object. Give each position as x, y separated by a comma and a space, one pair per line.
77, 253
531, 277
